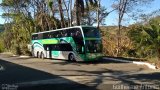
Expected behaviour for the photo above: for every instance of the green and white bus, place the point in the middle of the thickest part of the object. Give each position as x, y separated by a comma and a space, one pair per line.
78, 43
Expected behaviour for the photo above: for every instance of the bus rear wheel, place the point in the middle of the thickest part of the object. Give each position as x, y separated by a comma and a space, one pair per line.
71, 57
37, 55
42, 55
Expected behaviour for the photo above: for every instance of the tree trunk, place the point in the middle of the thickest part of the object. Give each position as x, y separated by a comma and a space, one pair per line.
61, 13
52, 10
77, 13
67, 12
98, 12
121, 11
118, 38
71, 19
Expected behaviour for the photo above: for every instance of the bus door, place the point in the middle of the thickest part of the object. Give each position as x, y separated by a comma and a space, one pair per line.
49, 51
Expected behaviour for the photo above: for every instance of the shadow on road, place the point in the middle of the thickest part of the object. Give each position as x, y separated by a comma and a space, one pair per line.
128, 59
79, 63
13, 74
142, 80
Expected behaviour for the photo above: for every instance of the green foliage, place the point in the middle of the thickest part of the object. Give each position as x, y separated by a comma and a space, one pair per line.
50, 3
1, 28
18, 31
90, 16
109, 40
18, 34
27, 16
146, 38
1, 44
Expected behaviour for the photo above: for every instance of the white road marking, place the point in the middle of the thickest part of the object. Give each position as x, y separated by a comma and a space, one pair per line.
134, 62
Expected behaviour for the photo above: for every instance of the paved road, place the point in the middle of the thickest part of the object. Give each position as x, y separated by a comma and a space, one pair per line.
37, 74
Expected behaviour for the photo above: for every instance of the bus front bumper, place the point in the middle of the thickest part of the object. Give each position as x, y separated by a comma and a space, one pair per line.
93, 56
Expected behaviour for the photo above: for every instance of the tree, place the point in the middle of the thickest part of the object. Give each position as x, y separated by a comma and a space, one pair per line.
71, 15
67, 11
146, 38
61, 13
25, 17
19, 26
124, 7
90, 16
154, 36
98, 13
79, 8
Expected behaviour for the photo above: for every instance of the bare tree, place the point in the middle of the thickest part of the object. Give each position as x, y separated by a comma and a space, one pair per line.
61, 13
79, 8
71, 19
124, 7
77, 11
98, 12
67, 10
121, 10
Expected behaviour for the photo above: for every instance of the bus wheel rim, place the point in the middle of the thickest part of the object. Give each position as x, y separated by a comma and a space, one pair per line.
71, 57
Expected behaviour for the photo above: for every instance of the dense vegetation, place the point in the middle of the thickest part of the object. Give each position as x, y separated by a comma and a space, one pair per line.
24, 17
138, 40
1, 27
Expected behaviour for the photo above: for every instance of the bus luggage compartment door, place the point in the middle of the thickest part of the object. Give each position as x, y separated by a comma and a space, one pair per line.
48, 51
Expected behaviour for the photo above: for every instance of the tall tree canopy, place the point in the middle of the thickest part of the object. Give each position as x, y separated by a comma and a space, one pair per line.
23, 17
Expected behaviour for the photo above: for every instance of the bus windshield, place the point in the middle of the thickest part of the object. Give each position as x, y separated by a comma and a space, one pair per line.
93, 46
91, 32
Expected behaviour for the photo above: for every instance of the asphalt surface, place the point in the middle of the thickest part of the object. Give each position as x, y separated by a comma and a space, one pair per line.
35, 74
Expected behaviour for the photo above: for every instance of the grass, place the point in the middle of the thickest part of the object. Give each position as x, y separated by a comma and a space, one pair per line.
153, 60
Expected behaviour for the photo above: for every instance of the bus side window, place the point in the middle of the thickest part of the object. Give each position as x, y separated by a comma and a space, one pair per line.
69, 47
72, 32
64, 33
49, 35
65, 47
45, 35
40, 36
32, 37
75, 32
78, 33
55, 47
68, 33
35, 37
52, 34
57, 34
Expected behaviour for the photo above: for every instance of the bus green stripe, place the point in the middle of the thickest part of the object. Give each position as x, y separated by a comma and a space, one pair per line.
49, 41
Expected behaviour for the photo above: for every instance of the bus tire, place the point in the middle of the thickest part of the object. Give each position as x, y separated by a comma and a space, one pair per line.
37, 55
42, 55
71, 57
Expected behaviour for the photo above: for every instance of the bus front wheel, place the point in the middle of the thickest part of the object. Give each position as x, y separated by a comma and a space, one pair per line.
71, 57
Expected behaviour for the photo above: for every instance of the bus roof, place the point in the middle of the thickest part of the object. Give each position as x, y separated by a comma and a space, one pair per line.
62, 29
